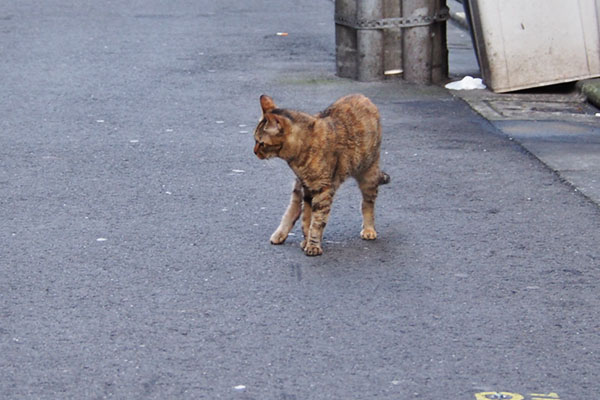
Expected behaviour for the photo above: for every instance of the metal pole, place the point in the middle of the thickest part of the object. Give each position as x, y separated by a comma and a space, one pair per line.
345, 41
417, 42
369, 43
439, 62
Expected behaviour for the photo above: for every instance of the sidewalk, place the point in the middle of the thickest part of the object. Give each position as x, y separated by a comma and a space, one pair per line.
556, 124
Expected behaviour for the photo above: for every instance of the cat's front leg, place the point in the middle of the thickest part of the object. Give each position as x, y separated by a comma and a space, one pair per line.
290, 216
306, 216
321, 207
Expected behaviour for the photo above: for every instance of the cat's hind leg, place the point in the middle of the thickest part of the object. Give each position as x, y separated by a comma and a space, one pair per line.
368, 184
290, 216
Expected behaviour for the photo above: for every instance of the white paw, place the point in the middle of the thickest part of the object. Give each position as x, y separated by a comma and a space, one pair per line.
278, 237
313, 250
368, 234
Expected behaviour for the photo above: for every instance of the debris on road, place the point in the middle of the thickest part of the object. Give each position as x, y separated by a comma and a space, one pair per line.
466, 83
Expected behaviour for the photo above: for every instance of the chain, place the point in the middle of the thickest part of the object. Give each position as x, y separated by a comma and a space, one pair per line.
391, 23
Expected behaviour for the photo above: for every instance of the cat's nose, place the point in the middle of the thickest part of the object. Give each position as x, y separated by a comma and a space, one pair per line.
257, 146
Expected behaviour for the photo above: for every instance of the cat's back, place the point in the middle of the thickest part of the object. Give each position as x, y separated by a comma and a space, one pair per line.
353, 106
355, 122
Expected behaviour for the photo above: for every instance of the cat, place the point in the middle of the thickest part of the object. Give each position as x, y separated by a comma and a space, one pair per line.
323, 150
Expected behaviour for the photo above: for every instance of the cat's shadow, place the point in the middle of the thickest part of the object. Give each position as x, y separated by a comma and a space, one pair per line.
348, 248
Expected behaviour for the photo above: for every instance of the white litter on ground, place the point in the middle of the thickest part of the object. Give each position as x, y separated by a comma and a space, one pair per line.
101, 240
393, 72
240, 387
466, 83
238, 171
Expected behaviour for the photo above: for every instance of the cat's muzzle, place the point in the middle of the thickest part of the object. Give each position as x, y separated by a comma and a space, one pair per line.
257, 150
263, 150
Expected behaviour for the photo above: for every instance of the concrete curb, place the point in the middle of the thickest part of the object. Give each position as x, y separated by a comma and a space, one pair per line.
590, 88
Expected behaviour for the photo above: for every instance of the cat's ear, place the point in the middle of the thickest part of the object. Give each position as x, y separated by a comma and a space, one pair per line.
267, 104
275, 124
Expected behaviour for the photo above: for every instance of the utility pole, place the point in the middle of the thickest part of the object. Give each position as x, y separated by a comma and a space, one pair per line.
376, 39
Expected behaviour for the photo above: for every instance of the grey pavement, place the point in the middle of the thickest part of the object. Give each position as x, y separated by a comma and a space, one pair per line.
134, 251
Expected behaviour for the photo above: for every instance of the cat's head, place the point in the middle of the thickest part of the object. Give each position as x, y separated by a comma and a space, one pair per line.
270, 133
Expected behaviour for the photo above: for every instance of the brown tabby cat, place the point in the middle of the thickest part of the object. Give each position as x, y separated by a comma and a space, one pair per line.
323, 150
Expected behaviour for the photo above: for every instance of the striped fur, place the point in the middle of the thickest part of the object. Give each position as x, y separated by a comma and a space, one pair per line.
323, 150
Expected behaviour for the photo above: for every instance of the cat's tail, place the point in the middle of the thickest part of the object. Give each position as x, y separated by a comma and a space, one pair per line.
384, 178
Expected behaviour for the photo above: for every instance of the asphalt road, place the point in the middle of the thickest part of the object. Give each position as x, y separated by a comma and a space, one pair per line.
134, 246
